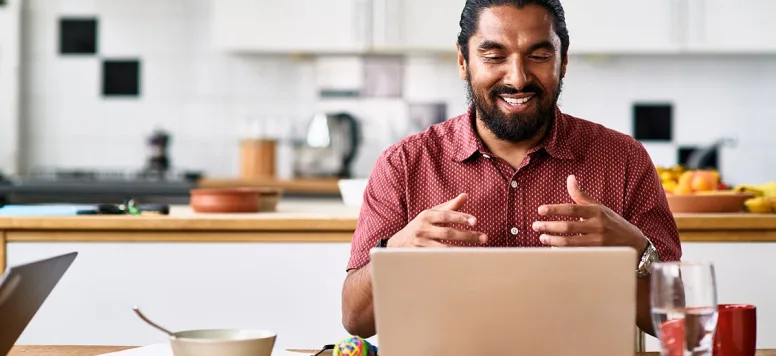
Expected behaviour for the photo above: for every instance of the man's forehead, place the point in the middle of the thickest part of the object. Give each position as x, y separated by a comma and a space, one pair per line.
506, 21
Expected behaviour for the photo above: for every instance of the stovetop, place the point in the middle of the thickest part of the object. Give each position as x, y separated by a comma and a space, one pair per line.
107, 176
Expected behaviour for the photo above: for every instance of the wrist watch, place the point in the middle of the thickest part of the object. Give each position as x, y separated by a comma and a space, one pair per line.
648, 257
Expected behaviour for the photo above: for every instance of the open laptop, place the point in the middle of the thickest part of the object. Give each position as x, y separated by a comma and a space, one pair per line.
505, 301
23, 289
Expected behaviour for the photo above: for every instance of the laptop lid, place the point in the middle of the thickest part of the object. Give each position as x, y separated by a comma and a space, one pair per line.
505, 301
23, 289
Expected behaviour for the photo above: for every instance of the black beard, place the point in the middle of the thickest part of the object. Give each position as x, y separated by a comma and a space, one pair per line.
515, 127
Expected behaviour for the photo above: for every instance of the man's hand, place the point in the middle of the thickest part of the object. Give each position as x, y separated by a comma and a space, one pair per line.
597, 225
431, 226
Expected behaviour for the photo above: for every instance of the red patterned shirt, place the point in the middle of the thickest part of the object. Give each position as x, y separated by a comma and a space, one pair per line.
434, 166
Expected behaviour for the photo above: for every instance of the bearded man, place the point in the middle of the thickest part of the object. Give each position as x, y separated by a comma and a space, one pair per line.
513, 171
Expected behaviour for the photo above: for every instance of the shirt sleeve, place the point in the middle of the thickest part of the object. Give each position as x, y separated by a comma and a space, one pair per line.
646, 205
384, 209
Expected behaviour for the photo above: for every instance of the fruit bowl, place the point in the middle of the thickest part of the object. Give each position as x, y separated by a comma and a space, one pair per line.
708, 202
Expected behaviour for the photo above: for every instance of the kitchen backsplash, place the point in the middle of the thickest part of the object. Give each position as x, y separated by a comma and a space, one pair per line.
76, 114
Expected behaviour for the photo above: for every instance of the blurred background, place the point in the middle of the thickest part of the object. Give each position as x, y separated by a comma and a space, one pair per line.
119, 92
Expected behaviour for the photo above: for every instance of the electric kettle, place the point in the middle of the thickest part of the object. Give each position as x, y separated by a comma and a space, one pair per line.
329, 146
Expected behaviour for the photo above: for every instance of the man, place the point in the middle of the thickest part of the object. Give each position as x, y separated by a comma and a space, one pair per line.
513, 170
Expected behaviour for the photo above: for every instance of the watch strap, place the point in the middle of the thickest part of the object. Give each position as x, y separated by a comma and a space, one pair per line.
648, 257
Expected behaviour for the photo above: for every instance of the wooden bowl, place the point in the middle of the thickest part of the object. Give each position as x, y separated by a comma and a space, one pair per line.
707, 202
269, 198
225, 200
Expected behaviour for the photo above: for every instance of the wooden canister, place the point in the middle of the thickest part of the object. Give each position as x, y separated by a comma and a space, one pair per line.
257, 158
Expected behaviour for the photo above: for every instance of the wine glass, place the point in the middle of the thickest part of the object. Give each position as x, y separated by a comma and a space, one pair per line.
684, 307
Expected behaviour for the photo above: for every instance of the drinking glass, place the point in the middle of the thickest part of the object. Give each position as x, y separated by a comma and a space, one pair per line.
684, 307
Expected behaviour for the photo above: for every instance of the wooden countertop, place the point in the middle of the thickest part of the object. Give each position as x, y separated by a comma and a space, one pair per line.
313, 215
24, 350
98, 350
326, 186
311, 218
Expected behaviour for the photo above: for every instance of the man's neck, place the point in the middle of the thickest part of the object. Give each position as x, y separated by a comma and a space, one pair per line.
512, 152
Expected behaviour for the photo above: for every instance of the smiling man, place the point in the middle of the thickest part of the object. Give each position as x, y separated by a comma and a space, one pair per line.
513, 171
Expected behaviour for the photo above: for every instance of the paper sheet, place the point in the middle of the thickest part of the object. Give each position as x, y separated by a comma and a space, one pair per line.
163, 349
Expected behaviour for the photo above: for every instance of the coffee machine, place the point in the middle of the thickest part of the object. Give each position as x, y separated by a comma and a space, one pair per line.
330, 144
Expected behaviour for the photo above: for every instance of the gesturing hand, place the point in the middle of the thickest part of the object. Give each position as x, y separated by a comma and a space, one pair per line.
430, 226
597, 225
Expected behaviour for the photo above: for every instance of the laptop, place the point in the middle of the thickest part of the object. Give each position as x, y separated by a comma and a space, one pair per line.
505, 301
23, 289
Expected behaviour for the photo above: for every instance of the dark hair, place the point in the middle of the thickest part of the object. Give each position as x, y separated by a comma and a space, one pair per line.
471, 15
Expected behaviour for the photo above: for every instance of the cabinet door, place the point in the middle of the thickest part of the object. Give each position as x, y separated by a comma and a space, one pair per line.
288, 26
617, 26
732, 26
416, 25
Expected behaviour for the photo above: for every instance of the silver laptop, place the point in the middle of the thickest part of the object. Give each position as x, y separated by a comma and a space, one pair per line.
23, 289
505, 301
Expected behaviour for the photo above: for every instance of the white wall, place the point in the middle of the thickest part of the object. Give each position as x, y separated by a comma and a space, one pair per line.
10, 43
201, 95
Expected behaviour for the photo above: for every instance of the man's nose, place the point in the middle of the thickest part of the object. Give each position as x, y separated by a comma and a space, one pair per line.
517, 75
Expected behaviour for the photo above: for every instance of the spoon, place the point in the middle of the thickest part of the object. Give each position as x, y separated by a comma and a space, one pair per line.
155, 325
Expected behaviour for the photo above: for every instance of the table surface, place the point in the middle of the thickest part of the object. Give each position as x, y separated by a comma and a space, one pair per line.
24, 350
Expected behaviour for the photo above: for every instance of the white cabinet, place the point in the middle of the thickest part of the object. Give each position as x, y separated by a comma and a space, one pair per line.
292, 26
741, 26
616, 26
416, 25
411, 26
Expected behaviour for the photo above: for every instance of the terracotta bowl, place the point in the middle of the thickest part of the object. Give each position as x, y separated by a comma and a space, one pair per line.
707, 202
225, 200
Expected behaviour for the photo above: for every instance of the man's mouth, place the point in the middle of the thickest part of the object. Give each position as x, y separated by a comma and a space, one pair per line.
517, 100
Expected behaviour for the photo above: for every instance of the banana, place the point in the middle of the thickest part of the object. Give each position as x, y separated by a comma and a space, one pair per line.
758, 192
760, 205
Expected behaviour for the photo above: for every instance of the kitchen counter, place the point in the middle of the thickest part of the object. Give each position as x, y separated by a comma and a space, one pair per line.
324, 221
331, 216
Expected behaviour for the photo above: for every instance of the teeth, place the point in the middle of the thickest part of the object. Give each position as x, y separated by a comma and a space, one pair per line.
517, 101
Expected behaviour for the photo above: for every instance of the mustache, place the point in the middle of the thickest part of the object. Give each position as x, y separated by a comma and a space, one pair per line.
529, 88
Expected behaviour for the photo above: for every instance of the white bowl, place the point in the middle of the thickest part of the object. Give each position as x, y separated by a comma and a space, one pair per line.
352, 191
232, 342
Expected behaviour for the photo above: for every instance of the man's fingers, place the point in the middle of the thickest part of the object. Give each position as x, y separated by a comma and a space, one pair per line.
452, 234
564, 227
453, 204
574, 210
438, 217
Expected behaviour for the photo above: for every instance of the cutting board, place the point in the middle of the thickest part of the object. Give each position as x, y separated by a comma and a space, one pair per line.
44, 210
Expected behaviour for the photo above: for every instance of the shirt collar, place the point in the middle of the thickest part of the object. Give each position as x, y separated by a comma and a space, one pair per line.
558, 142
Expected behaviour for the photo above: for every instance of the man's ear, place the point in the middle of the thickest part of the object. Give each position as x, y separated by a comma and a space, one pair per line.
563, 67
461, 64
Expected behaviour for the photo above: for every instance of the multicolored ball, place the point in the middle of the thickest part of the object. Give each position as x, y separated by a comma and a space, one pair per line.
355, 346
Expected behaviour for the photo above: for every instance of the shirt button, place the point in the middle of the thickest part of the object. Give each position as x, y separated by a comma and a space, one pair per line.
514, 231
514, 184
486, 156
